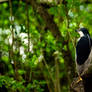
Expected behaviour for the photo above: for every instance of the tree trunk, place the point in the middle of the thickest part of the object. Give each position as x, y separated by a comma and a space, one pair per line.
85, 85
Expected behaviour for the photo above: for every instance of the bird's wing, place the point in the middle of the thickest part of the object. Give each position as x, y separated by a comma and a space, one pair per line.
83, 49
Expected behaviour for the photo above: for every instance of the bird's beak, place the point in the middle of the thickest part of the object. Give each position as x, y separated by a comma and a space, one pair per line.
77, 30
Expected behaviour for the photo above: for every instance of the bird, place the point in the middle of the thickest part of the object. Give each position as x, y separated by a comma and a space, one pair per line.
83, 53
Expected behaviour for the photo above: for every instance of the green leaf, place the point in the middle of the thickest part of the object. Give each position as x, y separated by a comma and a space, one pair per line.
5, 58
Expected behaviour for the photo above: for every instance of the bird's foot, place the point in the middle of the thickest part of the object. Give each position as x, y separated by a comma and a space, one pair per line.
79, 79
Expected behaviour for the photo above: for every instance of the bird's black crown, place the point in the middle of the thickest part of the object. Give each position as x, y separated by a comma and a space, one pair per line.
84, 30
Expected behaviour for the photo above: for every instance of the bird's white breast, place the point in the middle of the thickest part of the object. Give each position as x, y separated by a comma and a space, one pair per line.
81, 33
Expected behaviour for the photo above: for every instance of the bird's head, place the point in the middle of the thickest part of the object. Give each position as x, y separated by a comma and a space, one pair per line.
82, 31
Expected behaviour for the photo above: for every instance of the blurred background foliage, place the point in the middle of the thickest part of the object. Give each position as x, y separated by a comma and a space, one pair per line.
33, 56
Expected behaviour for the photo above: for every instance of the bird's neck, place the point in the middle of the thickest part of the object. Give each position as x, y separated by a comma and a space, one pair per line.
81, 34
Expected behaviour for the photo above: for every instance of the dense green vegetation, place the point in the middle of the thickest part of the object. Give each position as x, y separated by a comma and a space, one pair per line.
37, 43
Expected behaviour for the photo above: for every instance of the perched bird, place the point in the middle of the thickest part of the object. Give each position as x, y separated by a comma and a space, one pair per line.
83, 56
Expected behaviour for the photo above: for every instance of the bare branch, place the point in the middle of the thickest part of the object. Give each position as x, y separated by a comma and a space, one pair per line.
3, 1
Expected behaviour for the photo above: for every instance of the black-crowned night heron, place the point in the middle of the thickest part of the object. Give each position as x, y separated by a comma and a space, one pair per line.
83, 55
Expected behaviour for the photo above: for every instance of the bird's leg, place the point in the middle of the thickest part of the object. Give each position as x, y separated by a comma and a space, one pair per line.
79, 79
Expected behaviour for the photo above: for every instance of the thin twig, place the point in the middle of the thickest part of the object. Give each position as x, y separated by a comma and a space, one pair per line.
11, 22
12, 32
27, 8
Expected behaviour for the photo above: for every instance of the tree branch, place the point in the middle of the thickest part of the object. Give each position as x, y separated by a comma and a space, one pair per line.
3, 1
86, 84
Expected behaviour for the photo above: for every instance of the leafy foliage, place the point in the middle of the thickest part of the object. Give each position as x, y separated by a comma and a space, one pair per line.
35, 70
